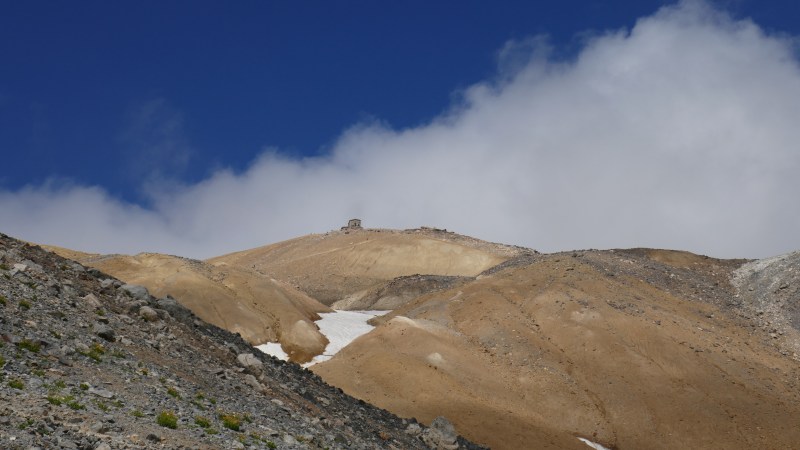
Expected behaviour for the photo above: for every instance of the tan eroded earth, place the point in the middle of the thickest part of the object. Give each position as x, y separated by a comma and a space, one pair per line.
632, 349
236, 299
347, 264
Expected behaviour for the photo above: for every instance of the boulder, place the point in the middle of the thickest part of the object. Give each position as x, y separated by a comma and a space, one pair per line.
104, 331
441, 435
147, 313
92, 301
136, 291
250, 362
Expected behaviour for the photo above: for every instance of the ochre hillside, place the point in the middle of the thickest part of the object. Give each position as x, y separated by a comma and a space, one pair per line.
344, 265
241, 301
639, 349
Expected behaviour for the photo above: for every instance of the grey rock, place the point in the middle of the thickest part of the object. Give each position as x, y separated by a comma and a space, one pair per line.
101, 393
441, 435
102, 446
148, 313
175, 309
136, 291
104, 331
91, 301
249, 361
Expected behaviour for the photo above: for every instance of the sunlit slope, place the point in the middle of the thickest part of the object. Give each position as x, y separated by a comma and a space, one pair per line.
336, 265
633, 350
241, 301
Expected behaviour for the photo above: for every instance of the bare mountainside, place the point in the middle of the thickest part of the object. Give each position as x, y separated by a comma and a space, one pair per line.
87, 362
260, 309
631, 349
343, 266
269, 294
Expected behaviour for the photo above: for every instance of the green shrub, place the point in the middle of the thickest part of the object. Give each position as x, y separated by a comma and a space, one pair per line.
231, 421
24, 304
30, 346
202, 421
211, 431
95, 352
137, 413
58, 400
84, 386
16, 383
271, 444
73, 404
3, 300
167, 419
173, 393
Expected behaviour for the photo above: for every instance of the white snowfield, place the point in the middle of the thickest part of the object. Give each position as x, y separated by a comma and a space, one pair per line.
340, 327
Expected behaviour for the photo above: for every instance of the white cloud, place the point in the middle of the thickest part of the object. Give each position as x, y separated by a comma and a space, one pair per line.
679, 133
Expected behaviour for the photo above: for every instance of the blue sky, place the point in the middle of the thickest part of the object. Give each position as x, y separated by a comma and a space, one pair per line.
137, 110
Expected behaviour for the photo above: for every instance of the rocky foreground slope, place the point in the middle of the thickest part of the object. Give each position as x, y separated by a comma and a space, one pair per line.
89, 363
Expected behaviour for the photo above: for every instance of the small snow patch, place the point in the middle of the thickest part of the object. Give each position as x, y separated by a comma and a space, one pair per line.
594, 445
274, 349
340, 327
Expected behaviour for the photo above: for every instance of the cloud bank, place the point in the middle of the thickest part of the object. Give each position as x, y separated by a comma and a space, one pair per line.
678, 133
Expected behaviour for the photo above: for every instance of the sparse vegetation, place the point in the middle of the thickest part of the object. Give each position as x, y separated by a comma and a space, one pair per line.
3, 301
202, 421
167, 419
101, 405
30, 346
84, 386
137, 413
24, 304
73, 404
16, 383
173, 393
231, 421
27, 423
95, 352
59, 400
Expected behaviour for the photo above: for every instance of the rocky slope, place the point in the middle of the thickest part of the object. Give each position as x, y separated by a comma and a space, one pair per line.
89, 363
259, 308
631, 349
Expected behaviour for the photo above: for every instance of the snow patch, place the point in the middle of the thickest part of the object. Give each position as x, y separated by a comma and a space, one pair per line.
594, 445
274, 349
340, 327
